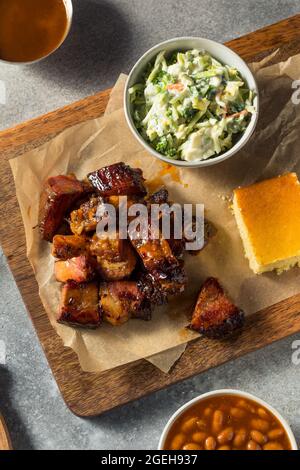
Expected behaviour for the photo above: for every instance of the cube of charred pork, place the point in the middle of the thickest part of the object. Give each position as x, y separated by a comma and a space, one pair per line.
160, 263
155, 253
116, 259
215, 315
80, 269
108, 246
118, 179
122, 300
80, 305
58, 196
69, 246
85, 219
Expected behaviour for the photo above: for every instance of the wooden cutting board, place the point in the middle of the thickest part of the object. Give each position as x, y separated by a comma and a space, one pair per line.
89, 394
5, 442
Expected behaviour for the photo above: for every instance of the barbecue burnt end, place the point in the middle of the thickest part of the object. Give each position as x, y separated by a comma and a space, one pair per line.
122, 300
118, 180
79, 305
215, 316
58, 196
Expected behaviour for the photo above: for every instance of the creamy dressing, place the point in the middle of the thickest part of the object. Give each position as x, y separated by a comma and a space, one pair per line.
191, 107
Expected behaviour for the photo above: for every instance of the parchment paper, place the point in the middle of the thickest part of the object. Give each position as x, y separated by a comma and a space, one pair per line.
272, 150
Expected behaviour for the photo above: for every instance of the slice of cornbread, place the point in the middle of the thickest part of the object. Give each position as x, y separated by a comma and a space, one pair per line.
268, 218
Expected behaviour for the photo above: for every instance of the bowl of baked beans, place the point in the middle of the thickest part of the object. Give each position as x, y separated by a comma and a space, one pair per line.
227, 420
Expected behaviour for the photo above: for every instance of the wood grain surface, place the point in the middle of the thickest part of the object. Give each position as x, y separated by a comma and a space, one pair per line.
88, 394
5, 442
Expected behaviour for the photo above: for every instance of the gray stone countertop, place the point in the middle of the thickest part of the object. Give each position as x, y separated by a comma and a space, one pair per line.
106, 39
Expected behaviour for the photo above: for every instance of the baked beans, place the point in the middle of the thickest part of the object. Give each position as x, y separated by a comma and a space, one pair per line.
227, 422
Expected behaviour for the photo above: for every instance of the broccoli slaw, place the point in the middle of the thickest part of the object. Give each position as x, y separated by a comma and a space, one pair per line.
191, 107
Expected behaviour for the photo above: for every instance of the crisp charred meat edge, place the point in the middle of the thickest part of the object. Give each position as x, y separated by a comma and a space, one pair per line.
118, 179
214, 315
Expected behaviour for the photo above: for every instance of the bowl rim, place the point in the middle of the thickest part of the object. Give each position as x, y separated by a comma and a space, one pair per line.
182, 163
70, 10
227, 391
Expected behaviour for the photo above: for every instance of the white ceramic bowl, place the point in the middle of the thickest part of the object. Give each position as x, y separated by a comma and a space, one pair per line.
226, 392
218, 51
69, 10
